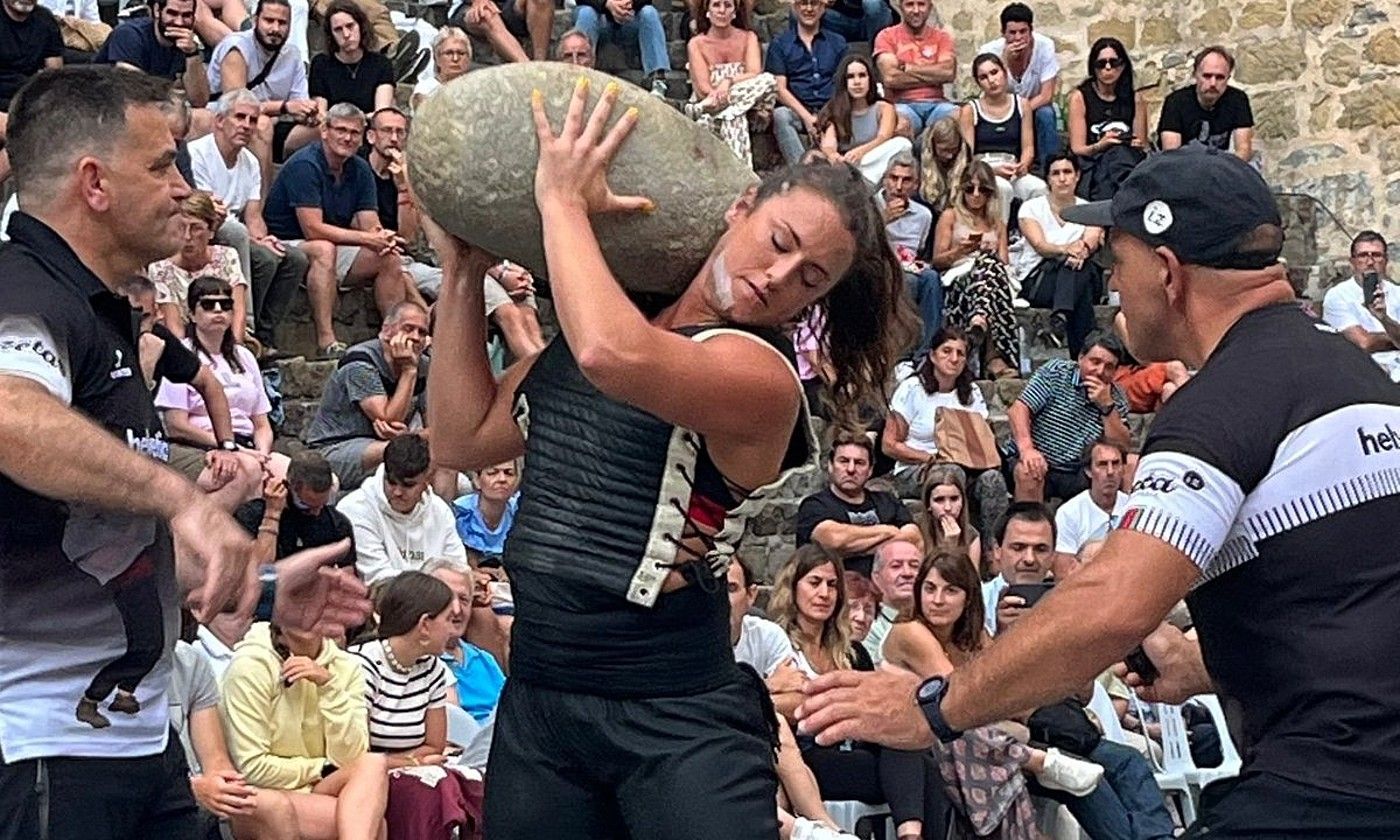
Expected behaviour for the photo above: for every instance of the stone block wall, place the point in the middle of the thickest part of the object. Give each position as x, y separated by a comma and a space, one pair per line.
1323, 77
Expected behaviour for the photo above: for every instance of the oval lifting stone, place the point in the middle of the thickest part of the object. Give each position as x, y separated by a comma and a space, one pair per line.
472, 155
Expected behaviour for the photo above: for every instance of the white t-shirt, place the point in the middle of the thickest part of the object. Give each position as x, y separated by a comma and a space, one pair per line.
1043, 67
1055, 231
1079, 521
1343, 307
234, 187
920, 408
763, 646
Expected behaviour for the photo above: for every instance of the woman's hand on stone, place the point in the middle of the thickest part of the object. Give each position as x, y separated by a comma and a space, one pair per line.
573, 165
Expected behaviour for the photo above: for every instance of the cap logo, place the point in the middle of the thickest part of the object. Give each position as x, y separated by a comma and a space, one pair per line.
1156, 217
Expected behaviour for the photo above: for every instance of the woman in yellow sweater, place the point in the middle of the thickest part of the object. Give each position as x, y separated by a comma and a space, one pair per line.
293, 708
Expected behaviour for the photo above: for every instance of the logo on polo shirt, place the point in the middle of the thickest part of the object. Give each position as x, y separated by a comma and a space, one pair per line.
1157, 483
120, 371
1380, 440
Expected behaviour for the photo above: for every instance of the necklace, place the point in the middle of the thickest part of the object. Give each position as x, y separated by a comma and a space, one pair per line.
354, 69
394, 660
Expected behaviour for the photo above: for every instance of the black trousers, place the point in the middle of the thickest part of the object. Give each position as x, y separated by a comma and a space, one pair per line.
1262, 805
594, 768
909, 782
137, 599
1055, 286
99, 798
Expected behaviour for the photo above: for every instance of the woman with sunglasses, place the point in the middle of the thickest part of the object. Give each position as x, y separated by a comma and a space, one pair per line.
858, 126
185, 414
1107, 121
971, 252
199, 257
1001, 131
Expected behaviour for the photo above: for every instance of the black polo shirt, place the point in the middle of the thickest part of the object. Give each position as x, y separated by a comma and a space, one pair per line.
24, 45
61, 564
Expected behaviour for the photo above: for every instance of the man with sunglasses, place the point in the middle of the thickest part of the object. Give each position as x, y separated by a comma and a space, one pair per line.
1374, 324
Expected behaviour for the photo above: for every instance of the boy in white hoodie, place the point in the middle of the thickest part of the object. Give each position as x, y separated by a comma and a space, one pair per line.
400, 523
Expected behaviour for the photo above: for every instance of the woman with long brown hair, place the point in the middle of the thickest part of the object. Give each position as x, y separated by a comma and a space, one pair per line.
726, 73
857, 125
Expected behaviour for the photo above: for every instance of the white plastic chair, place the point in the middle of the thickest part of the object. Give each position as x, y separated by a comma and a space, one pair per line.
1102, 707
1230, 758
1170, 777
848, 813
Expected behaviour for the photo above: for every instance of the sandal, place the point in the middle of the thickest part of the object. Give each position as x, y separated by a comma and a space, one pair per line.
334, 350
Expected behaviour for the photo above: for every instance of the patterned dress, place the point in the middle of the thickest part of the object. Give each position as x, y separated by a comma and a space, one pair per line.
982, 777
731, 123
981, 285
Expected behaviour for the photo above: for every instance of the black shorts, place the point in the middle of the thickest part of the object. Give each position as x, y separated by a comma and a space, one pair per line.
672, 768
280, 130
1264, 806
99, 798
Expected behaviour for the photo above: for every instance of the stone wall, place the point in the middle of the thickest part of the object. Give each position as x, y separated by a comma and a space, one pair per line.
1323, 76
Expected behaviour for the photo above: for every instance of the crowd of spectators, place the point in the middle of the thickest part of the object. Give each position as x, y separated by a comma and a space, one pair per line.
927, 539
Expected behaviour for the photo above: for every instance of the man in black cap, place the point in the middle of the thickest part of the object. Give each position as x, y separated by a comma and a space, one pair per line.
1267, 496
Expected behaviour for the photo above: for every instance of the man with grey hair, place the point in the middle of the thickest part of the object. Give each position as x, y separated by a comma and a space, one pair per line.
80, 478
896, 565
223, 165
574, 48
324, 202
908, 223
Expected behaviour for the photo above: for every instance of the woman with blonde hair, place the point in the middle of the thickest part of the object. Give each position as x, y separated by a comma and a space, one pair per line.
971, 252
809, 602
198, 257
945, 156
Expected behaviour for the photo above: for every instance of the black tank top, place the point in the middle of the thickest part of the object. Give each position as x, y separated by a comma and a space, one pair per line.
1099, 113
607, 491
990, 136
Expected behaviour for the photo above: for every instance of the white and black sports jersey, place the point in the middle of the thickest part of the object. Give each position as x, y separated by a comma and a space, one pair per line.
1277, 471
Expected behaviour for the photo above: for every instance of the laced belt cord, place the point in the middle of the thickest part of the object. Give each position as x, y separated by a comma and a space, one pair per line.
716, 556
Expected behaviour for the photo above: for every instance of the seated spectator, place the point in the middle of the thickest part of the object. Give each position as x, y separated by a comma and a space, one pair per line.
941, 382
629, 23
351, 69
1034, 71
862, 602
324, 203
845, 518
803, 60
162, 45
1209, 111
30, 41
1065, 407
452, 57
731, 90
501, 22
896, 564
400, 523
293, 710
1107, 121
916, 59
406, 692
475, 679
1024, 550
857, 125
375, 395
1054, 266
484, 517
199, 257
574, 48
984, 771
908, 225
1373, 325
813, 369
857, 20
184, 412
223, 165
1147, 386
809, 602
970, 249
946, 523
510, 296
945, 156
261, 61
1094, 513
997, 125
305, 516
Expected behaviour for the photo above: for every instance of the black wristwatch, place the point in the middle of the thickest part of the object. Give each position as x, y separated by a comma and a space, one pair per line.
1105, 410
930, 698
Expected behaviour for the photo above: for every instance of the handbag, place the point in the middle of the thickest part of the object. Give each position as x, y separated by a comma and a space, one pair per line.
1066, 726
965, 439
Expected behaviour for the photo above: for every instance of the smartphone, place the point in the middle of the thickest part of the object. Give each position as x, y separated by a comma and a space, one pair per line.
1369, 283
1139, 664
1031, 592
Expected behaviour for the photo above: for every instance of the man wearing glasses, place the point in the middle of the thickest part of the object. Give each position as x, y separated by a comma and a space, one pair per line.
323, 202
1373, 323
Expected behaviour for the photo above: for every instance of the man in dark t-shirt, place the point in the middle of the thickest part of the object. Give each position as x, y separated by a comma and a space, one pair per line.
304, 516
847, 519
1210, 111
29, 41
162, 45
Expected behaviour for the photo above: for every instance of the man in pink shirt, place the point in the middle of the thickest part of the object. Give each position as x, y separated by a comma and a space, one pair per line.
915, 60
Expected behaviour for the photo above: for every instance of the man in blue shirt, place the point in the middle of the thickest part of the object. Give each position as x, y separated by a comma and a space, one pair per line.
163, 45
804, 61
324, 202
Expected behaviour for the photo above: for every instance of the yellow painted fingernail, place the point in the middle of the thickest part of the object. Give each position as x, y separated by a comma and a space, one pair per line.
536, 96
632, 112
649, 207
612, 89
582, 83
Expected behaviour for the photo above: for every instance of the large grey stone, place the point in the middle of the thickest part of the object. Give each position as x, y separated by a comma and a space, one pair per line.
472, 160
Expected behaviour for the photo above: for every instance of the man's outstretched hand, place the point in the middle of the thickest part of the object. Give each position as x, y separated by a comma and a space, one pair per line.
875, 706
314, 596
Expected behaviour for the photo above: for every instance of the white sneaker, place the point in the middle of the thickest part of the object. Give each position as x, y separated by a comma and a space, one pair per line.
805, 829
1071, 775
658, 87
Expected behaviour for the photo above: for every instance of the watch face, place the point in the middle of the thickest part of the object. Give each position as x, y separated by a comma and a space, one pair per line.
930, 688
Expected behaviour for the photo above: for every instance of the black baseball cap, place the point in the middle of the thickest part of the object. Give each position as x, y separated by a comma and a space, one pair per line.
1203, 203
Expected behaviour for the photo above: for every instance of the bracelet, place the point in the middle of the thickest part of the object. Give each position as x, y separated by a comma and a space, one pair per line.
267, 529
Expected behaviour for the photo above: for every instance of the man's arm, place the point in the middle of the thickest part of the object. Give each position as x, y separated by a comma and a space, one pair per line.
788, 99
314, 226
892, 75
253, 219
1243, 141
844, 539
196, 80
1169, 140
1369, 341
1046, 95
397, 407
